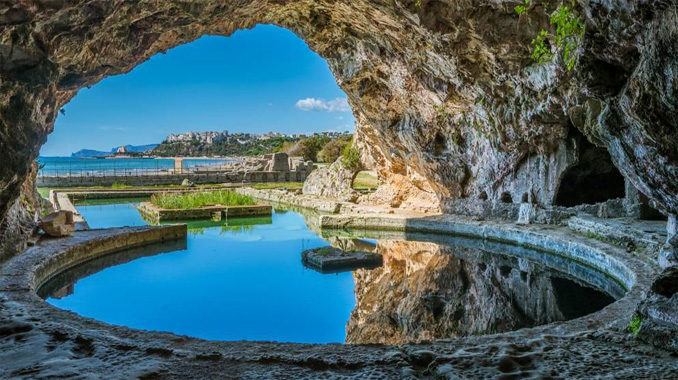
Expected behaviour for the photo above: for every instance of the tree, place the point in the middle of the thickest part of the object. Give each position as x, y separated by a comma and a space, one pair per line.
333, 149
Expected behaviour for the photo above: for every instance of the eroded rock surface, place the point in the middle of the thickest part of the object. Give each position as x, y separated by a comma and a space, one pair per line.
658, 313
334, 182
448, 102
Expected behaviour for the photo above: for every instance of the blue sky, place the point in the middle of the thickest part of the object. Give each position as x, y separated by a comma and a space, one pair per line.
258, 80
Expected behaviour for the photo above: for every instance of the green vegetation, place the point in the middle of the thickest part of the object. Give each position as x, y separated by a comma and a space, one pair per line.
365, 180
594, 235
325, 251
569, 29
196, 200
308, 147
333, 149
119, 186
522, 8
232, 147
247, 223
634, 325
351, 157
278, 185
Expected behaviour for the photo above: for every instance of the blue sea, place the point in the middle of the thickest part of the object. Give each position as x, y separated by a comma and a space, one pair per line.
58, 166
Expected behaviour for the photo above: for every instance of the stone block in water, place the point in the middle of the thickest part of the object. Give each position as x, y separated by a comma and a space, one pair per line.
330, 259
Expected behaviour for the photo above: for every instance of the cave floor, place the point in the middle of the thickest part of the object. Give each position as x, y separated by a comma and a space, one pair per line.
38, 340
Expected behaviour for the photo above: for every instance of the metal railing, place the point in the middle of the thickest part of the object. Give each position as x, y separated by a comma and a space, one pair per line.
108, 169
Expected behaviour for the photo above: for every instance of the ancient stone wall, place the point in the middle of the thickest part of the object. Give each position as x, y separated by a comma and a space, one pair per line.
173, 179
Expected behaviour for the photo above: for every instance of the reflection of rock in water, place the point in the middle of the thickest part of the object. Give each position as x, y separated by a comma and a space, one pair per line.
424, 292
64, 291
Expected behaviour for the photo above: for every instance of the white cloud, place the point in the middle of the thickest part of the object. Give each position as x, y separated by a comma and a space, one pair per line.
313, 104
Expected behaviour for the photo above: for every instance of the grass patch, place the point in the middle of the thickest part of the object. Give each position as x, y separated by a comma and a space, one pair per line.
366, 179
594, 235
325, 251
277, 185
634, 325
196, 200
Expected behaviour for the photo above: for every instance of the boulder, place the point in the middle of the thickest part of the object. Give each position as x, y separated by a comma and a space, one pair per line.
334, 181
187, 182
58, 224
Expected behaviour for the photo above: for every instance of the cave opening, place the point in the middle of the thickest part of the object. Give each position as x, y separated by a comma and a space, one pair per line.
593, 179
505, 197
199, 99
439, 144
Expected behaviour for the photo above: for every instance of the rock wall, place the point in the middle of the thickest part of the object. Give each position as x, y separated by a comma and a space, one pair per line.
21, 218
334, 181
447, 100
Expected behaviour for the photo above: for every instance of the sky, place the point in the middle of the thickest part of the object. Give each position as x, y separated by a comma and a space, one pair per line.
258, 80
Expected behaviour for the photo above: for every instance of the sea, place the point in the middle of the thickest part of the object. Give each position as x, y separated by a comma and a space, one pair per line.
63, 166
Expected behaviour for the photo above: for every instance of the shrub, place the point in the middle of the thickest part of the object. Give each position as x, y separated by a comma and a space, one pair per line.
200, 199
350, 157
333, 149
307, 148
634, 325
569, 31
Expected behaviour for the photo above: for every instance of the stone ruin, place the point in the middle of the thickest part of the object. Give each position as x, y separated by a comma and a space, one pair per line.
58, 224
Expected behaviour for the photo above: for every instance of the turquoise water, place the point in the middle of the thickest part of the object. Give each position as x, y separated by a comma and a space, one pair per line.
244, 280
90, 166
111, 215
214, 287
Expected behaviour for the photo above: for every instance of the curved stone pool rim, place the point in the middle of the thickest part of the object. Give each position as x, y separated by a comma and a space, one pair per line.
148, 352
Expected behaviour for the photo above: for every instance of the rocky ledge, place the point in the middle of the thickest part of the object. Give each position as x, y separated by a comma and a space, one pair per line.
37, 339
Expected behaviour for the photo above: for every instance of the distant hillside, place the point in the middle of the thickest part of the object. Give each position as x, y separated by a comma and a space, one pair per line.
137, 148
229, 147
252, 145
84, 153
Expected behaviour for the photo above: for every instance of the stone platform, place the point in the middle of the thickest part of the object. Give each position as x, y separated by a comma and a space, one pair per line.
333, 260
157, 214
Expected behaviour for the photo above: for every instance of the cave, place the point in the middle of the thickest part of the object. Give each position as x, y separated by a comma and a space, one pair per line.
593, 179
401, 85
409, 68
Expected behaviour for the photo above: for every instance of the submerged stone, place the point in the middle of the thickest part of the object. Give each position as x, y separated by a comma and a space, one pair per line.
334, 259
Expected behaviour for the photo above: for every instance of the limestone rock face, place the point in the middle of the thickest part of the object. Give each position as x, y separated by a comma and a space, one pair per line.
447, 100
22, 216
659, 312
334, 181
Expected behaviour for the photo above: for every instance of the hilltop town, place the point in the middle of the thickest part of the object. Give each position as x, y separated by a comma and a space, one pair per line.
205, 144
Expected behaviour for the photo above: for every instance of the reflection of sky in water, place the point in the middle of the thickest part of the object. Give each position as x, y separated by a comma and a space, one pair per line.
113, 215
229, 284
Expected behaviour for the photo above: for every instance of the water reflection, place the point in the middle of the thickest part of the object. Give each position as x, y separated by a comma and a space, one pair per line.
63, 284
243, 279
427, 291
